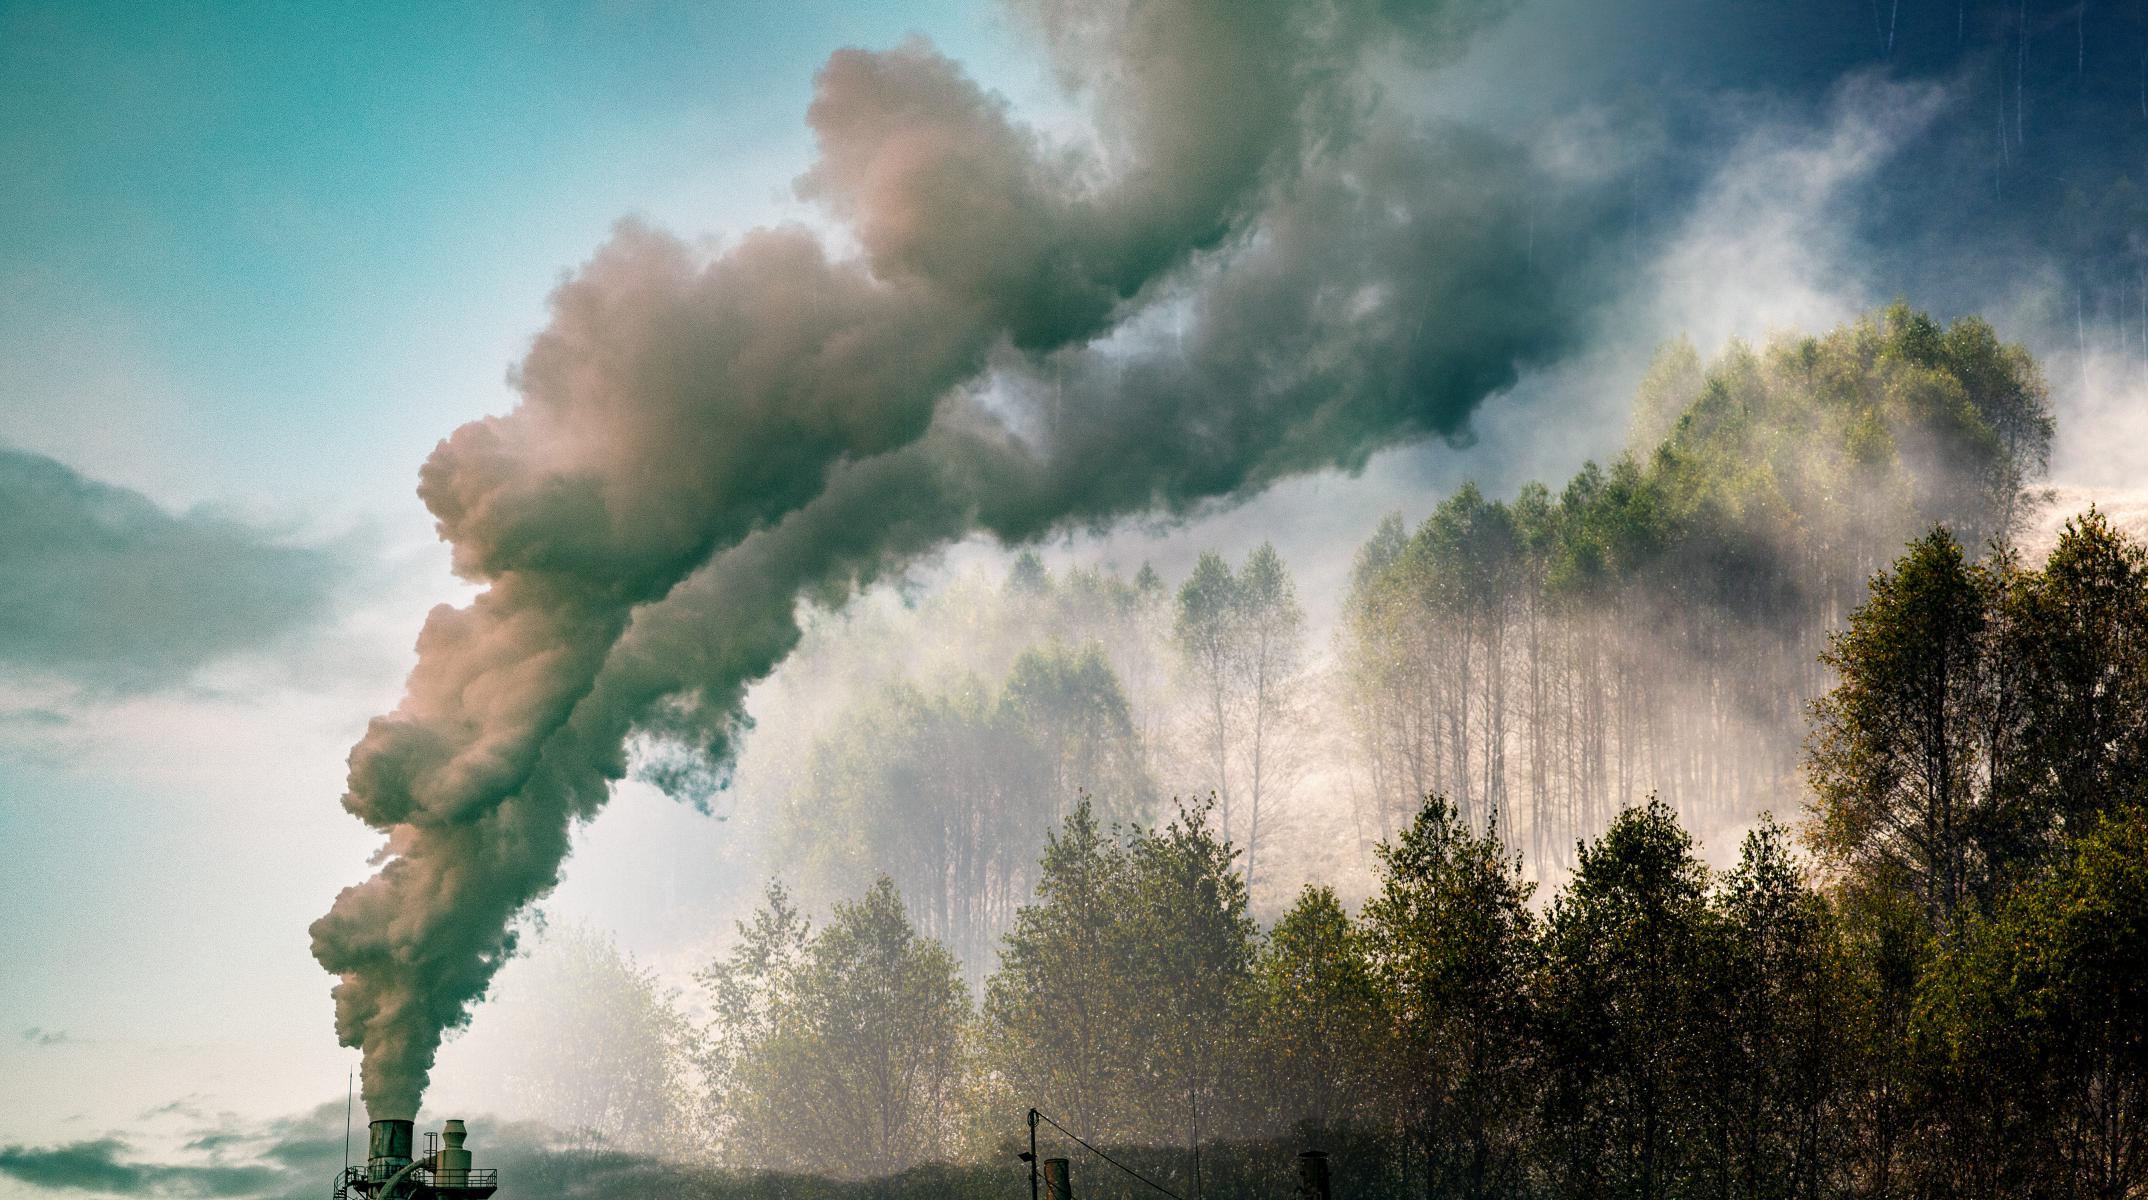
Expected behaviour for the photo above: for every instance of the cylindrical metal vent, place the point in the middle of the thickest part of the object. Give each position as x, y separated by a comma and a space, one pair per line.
390, 1148
453, 1169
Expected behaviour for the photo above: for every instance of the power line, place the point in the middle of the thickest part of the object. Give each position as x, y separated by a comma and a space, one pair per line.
1106, 1157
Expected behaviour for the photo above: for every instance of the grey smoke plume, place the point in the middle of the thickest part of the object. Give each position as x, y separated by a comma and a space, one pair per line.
1262, 265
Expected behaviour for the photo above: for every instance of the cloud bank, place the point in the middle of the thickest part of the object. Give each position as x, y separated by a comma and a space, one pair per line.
97, 1166
297, 1158
104, 589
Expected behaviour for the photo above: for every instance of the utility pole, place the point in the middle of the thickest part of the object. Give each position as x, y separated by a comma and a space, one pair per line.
1193, 1107
1031, 1157
350, 1092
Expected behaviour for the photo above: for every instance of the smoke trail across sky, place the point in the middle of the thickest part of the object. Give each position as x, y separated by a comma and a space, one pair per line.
700, 444
1273, 253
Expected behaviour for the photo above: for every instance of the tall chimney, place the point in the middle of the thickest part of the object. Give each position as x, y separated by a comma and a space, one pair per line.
390, 1148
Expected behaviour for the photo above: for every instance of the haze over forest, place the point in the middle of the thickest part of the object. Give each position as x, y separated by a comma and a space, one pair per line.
1546, 595
1594, 686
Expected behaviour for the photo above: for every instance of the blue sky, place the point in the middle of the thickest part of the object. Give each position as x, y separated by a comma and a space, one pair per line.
272, 252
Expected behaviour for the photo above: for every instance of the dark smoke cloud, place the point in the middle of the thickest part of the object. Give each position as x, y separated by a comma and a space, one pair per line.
1274, 256
1377, 300
103, 588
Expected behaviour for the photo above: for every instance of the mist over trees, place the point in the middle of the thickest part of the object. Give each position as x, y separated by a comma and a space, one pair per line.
1651, 628
626, 1077
847, 1062
944, 791
1867, 1022
1923, 976
1241, 639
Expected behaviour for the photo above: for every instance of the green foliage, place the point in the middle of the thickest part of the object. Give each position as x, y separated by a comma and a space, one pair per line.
2083, 649
1121, 991
1052, 1010
1451, 945
741, 987
1903, 760
1320, 1013
853, 1065
1775, 1065
2034, 1024
1982, 712
1626, 1011
1187, 947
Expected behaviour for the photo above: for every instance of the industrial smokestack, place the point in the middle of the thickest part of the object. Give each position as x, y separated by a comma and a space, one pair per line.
389, 1151
391, 1173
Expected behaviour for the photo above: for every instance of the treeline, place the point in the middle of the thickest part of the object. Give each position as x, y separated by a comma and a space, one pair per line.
1651, 628
1585, 680
1952, 1002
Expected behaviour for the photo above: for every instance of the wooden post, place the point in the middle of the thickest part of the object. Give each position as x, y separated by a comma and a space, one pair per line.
1058, 1185
1313, 1175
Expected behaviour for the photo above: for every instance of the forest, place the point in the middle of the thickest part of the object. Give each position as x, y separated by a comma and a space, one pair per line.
1755, 816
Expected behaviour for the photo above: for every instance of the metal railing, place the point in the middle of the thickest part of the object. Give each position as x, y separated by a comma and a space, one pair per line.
359, 1180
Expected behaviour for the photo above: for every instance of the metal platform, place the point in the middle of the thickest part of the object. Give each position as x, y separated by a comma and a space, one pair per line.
422, 1183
